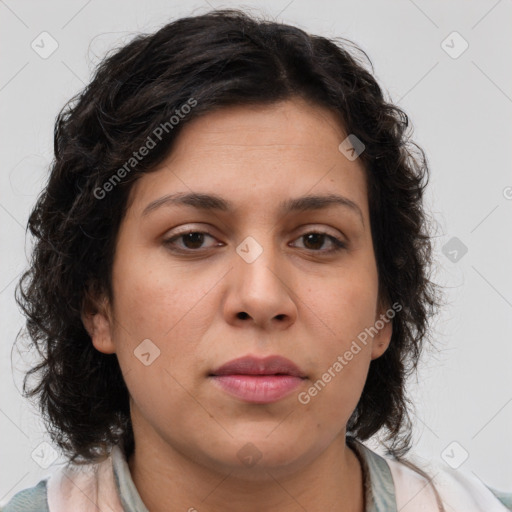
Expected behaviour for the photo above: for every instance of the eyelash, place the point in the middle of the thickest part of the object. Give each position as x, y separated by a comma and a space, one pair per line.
339, 245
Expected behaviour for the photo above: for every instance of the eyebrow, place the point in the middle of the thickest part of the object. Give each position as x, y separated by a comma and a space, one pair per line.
211, 202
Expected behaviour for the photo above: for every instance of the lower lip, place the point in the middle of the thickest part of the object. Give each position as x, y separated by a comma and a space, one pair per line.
261, 389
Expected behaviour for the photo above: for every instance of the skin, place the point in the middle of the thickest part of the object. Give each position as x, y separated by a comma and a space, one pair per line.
301, 302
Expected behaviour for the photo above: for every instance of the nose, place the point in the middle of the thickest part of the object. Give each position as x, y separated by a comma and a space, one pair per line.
260, 289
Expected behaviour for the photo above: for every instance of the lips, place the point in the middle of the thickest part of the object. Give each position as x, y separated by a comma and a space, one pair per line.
258, 381
249, 365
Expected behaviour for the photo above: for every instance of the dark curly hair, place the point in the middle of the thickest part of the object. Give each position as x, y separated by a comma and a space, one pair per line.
222, 58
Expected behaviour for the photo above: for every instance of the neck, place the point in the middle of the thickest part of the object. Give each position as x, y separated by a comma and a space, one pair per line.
169, 481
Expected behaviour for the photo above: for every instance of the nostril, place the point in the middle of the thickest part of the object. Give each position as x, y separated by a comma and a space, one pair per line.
242, 315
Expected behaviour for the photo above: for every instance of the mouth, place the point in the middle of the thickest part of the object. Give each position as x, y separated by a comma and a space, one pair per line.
250, 365
257, 380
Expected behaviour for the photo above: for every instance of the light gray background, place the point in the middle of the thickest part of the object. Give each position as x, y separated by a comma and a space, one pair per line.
461, 111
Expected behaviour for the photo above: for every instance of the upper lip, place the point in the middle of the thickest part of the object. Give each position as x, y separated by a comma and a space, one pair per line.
250, 365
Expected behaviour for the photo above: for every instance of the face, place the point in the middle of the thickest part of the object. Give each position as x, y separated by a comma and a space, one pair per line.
254, 277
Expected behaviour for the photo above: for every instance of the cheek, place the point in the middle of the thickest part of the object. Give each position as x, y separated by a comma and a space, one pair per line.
343, 312
345, 304
342, 354
153, 296
155, 302
169, 305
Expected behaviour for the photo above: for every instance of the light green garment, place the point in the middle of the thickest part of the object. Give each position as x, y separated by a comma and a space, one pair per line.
380, 492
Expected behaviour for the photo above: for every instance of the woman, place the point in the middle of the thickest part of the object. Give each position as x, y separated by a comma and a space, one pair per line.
230, 283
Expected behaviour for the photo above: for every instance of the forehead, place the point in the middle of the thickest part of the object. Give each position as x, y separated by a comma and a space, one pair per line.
258, 157
291, 123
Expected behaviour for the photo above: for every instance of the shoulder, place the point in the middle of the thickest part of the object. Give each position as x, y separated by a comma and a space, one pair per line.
414, 485
86, 487
457, 489
32, 499
504, 497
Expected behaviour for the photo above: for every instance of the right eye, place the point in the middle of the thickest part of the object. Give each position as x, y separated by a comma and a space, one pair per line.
192, 240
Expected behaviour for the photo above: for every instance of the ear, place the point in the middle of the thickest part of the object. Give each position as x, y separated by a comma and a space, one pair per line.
384, 326
97, 320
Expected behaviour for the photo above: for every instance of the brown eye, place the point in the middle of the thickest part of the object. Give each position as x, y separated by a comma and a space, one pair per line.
314, 241
191, 241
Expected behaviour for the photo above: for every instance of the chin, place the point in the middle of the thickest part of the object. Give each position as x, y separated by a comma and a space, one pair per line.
264, 457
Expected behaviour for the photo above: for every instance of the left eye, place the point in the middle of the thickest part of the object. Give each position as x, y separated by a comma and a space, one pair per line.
313, 241
318, 238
